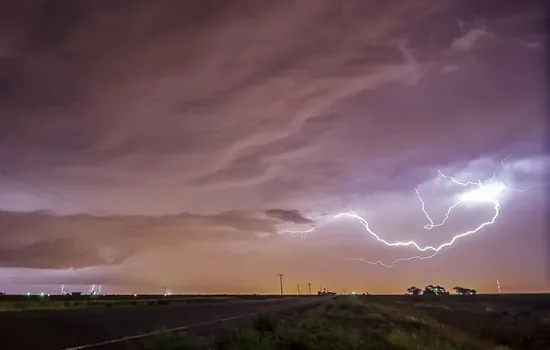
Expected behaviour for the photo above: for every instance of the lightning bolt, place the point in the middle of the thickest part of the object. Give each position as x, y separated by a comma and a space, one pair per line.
431, 225
485, 191
303, 233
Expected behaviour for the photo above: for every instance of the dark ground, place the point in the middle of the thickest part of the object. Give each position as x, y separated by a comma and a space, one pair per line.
60, 329
379, 322
452, 322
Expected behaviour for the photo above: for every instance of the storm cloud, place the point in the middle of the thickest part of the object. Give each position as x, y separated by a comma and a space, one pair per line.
43, 240
131, 128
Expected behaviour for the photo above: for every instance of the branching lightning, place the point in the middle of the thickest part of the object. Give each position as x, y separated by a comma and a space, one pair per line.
483, 191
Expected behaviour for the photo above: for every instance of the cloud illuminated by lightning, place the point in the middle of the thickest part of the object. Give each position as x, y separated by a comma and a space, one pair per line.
484, 191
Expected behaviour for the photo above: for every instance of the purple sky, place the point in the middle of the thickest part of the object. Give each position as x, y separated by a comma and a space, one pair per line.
147, 144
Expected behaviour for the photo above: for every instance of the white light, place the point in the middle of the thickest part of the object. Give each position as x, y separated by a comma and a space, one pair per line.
484, 193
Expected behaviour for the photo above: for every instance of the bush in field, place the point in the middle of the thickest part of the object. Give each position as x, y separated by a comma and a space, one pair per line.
414, 290
464, 291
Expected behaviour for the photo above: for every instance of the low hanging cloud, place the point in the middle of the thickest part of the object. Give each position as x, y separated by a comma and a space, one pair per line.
293, 216
43, 240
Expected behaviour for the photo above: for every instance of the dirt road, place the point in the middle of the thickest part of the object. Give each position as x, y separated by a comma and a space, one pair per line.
82, 328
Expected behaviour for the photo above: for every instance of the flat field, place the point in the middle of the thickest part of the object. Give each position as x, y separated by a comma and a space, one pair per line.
57, 302
481, 322
119, 317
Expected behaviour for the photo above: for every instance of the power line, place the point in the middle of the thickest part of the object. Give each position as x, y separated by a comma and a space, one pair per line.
281, 282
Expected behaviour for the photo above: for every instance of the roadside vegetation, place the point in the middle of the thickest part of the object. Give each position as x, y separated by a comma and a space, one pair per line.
24, 303
372, 322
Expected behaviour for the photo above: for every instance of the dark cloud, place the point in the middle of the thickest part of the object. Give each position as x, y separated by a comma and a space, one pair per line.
55, 253
293, 216
43, 240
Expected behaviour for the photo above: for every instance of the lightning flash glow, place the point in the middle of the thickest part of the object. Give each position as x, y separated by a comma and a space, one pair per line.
479, 192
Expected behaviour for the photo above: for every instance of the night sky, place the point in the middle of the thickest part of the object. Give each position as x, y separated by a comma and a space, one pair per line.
170, 143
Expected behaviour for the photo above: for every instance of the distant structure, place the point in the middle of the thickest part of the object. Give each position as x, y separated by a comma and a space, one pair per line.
281, 282
325, 292
498, 286
298, 288
309, 287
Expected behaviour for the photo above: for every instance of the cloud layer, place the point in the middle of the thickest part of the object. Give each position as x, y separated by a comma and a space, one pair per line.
145, 127
43, 240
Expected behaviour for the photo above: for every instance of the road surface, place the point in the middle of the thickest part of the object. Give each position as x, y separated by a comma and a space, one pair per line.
82, 328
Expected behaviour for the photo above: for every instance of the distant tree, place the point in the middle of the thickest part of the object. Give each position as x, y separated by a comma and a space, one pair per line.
459, 290
414, 290
429, 290
464, 291
434, 290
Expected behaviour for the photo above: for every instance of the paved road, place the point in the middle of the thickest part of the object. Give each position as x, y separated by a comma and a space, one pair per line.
65, 329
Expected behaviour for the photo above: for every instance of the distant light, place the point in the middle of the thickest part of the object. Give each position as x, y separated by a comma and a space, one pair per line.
28, 294
353, 293
41, 294
135, 295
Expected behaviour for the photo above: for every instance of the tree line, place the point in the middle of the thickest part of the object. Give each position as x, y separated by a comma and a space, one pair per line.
439, 290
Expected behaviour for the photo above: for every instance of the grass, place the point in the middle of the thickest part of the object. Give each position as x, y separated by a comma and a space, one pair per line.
60, 302
355, 322
515, 324
47, 303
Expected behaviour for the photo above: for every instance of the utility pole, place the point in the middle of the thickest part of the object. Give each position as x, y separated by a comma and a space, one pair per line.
298, 288
309, 286
281, 282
